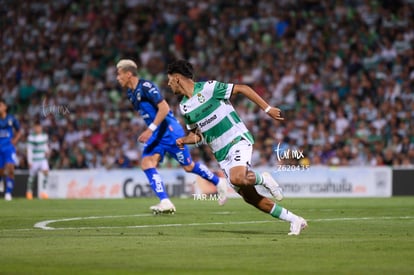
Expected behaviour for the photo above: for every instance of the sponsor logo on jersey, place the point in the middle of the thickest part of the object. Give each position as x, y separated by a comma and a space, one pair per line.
207, 121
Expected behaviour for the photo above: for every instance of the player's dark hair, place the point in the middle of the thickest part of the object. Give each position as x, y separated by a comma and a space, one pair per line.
182, 67
2, 100
37, 122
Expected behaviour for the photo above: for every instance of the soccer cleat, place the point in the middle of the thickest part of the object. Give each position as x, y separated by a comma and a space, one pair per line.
272, 186
222, 191
297, 226
44, 195
7, 196
165, 206
29, 195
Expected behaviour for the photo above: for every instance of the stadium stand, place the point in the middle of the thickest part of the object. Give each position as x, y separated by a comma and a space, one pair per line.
341, 71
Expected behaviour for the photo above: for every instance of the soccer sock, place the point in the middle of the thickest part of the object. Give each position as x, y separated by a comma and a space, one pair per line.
202, 170
282, 213
30, 184
259, 178
45, 178
9, 185
156, 183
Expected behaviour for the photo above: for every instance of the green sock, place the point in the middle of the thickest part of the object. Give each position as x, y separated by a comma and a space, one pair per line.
44, 182
276, 211
259, 179
30, 184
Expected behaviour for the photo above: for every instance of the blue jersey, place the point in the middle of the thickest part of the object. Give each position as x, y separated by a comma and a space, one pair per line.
145, 99
7, 125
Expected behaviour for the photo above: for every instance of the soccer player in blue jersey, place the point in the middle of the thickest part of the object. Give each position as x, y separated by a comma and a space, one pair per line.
160, 136
9, 135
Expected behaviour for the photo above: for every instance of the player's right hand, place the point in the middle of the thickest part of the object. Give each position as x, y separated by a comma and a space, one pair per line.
145, 136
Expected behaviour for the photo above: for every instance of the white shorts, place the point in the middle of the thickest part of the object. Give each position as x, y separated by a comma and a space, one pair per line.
42, 165
240, 154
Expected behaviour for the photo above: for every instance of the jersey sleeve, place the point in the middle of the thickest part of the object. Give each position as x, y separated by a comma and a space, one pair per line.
188, 124
223, 90
152, 92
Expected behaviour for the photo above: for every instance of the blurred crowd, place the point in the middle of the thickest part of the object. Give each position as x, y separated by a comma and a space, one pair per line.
341, 71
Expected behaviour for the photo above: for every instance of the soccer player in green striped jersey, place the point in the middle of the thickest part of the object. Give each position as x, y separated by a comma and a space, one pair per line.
210, 118
37, 152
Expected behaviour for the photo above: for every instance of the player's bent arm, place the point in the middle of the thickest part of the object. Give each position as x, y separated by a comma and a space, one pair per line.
258, 100
191, 138
163, 110
17, 137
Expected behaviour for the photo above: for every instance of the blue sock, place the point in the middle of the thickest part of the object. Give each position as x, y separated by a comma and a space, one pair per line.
9, 185
205, 173
156, 183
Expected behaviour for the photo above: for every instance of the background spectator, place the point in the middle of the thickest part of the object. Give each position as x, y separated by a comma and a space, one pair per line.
342, 72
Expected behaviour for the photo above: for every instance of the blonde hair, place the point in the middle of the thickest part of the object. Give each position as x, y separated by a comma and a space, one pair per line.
127, 65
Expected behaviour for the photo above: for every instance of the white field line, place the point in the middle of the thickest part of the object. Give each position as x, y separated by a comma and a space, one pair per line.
45, 224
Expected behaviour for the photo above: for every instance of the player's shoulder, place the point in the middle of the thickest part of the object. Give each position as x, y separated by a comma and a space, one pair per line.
147, 84
10, 116
213, 85
31, 136
10, 119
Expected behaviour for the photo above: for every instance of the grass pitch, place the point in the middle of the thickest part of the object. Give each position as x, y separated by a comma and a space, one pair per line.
345, 236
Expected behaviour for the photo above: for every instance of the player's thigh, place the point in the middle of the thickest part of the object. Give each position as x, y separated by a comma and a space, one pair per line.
7, 155
44, 166
152, 155
150, 161
10, 160
34, 168
237, 162
183, 156
2, 163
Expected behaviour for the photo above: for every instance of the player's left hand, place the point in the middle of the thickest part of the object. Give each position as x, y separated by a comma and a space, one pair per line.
145, 136
275, 113
180, 143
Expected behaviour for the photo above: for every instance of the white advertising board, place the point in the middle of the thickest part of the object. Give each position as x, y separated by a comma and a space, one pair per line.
313, 182
323, 181
103, 183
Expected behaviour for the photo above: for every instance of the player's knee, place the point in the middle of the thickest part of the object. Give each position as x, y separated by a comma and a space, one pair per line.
9, 170
188, 168
238, 179
147, 163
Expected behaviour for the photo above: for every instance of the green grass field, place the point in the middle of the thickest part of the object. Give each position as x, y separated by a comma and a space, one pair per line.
345, 236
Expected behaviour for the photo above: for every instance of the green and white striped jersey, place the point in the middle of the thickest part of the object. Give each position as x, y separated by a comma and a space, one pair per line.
210, 112
37, 147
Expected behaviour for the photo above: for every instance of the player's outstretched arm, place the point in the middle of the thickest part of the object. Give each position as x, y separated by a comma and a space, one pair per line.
251, 94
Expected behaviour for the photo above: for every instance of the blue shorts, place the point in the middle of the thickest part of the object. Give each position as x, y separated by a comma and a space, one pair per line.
7, 155
183, 156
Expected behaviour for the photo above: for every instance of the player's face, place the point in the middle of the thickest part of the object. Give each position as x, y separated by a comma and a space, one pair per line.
123, 77
38, 129
3, 108
173, 81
